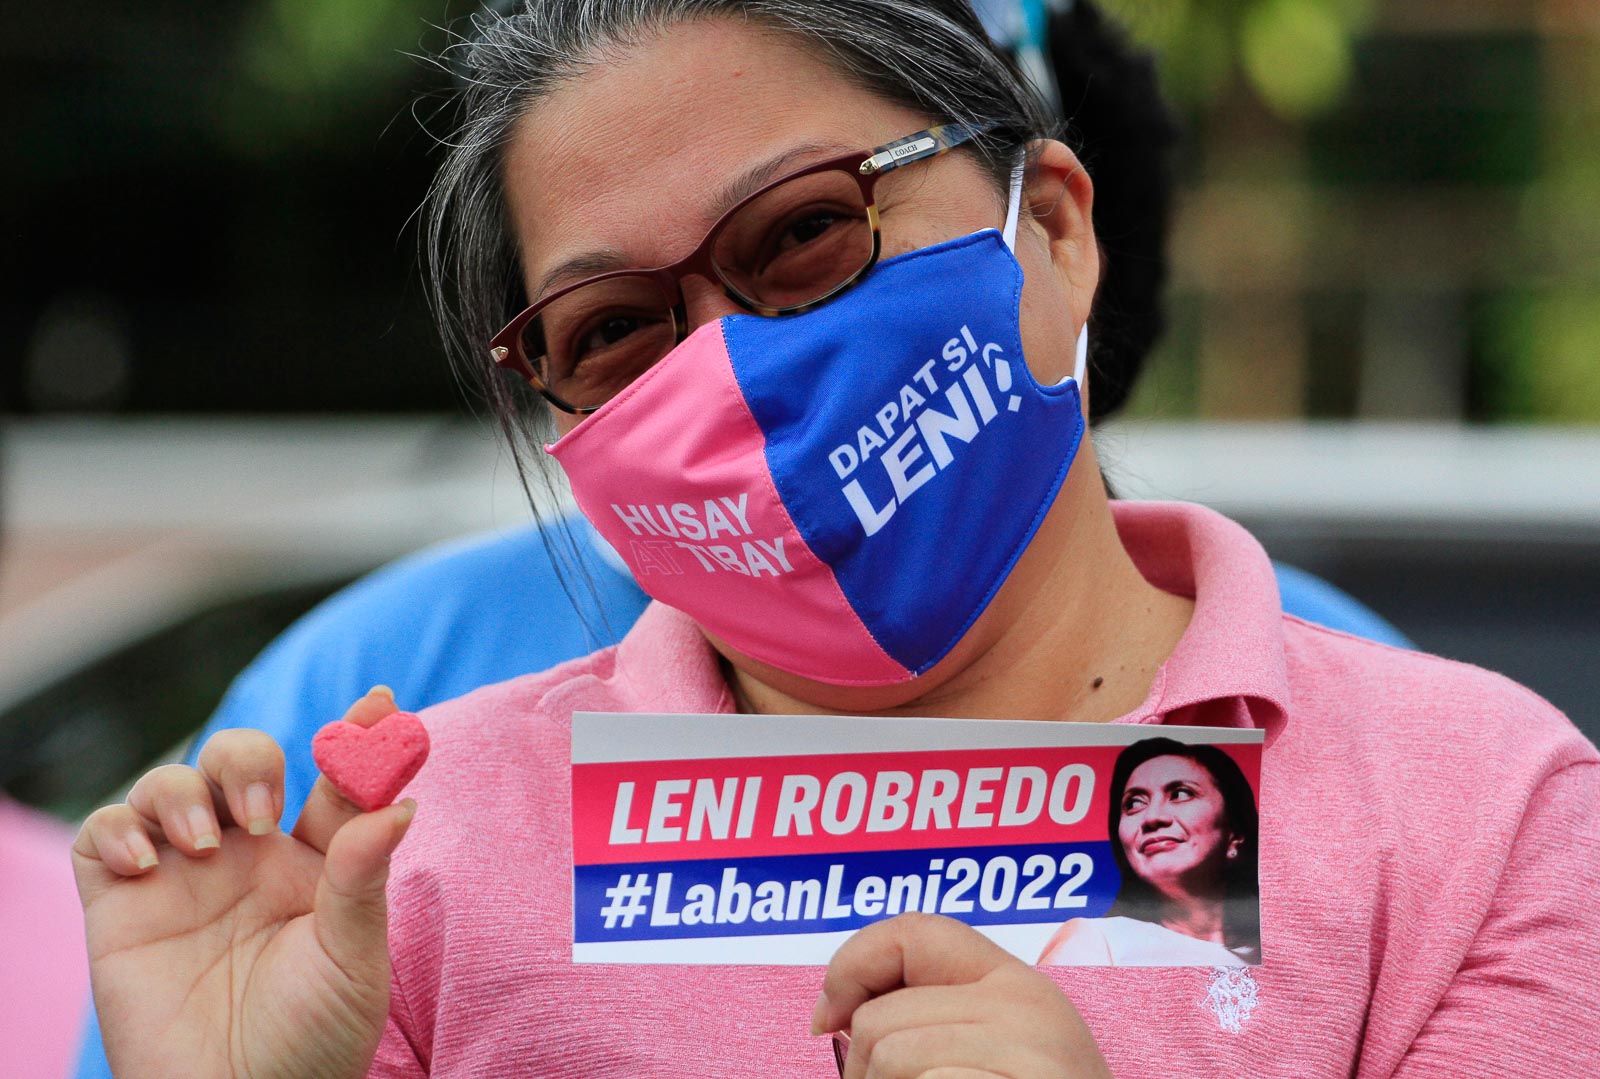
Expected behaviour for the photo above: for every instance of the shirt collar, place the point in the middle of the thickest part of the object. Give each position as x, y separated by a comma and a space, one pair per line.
1228, 669
665, 664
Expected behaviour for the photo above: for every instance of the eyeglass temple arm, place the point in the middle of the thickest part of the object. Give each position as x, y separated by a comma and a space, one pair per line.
929, 143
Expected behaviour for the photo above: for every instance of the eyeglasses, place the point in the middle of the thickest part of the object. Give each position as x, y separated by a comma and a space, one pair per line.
794, 244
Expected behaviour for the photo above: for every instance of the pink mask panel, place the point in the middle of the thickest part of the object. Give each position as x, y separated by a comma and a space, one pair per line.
697, 517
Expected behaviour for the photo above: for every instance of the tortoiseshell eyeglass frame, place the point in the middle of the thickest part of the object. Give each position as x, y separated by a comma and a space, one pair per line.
506, 350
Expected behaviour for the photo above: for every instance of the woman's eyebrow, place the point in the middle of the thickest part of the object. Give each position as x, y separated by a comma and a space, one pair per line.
751, 180
580, 266
727, 196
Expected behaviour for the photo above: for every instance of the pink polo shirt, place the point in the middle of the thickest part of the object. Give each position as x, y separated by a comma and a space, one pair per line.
1430, 866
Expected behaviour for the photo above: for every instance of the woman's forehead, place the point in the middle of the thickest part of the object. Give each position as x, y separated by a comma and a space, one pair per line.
634, 152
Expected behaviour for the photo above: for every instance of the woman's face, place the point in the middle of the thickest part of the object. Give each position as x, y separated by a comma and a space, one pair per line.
628, 164
1174, 826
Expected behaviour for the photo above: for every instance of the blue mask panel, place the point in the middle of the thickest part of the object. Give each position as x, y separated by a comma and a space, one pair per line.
908, 440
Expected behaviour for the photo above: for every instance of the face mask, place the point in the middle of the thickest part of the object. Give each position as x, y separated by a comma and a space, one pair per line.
840, 493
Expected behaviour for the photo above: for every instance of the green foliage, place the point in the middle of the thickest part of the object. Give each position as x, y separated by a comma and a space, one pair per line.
1541, 357
303, 67
1502, 120
1451, 109
1294, 54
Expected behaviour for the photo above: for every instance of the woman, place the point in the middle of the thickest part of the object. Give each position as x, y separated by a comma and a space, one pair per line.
978, 570
1185, 830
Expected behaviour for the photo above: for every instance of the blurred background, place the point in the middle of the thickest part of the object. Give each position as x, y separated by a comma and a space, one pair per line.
223, 397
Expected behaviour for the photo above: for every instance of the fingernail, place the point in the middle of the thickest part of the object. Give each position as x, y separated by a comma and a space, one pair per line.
383, 690
408, 809
201, 831
258, 809
140, 850
819, 1015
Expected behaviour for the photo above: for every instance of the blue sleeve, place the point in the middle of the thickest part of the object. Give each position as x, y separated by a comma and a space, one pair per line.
1315, 600
431, 627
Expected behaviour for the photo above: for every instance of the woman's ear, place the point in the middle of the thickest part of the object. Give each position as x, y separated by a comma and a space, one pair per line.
1059, 198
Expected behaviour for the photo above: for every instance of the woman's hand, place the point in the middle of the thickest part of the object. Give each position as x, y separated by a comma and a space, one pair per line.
928, 995
244, 952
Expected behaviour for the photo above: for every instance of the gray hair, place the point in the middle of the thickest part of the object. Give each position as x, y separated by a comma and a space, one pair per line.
932, 56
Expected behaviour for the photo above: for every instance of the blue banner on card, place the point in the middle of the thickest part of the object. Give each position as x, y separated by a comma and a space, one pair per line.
822, 893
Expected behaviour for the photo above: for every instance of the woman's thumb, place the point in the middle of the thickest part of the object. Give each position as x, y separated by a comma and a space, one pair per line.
351, 910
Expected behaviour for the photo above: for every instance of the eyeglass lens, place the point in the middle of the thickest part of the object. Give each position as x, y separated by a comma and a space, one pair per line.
786, 248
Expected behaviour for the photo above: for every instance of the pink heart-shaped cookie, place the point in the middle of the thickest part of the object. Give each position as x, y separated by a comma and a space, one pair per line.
370, 765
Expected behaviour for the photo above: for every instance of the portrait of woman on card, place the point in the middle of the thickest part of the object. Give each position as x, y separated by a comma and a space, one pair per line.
1183, 825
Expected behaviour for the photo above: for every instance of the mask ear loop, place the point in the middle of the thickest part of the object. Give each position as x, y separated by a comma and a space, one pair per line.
1014, 203
1080, 368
